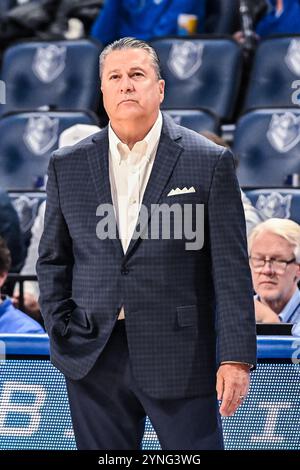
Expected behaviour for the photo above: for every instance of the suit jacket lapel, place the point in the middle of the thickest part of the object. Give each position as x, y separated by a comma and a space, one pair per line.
165, 160
97, 156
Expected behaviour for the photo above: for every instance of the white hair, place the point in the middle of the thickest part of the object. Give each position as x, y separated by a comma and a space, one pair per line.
285, 228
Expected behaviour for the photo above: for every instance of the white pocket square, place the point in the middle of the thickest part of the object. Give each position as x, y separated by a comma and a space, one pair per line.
184, 190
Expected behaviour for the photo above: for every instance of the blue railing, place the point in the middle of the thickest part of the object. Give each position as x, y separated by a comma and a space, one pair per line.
268, 347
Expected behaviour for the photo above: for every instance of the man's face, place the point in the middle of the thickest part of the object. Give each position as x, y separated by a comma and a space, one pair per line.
131, 90
270, 285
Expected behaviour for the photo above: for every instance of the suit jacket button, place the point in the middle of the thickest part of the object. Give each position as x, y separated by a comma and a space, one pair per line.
124, 271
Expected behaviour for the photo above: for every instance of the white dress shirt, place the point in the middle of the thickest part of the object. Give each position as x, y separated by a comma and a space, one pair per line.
129, 172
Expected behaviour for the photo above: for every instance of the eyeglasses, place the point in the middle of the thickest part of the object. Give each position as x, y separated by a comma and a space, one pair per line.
277, 265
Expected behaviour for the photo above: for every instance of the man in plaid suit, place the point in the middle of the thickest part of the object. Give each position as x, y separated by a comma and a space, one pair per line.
144, 324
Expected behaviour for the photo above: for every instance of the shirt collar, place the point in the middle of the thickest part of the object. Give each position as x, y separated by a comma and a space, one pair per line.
145, 147
291, 306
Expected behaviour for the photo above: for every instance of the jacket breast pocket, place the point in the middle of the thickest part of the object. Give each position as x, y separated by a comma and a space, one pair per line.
186, 198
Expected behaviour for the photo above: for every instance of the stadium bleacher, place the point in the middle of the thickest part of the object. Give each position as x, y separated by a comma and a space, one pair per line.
200, 73
27, 140
57, 75
267, 145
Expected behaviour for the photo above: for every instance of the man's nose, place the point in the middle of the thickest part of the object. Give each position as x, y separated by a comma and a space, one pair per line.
268, 268
126, 84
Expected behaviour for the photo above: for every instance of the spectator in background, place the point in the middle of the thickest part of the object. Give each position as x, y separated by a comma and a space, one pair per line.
274, 253
283, 18
143, 19
11, 232
11, 319
47, 19
267, 17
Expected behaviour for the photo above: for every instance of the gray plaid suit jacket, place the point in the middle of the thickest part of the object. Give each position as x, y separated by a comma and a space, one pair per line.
186, 310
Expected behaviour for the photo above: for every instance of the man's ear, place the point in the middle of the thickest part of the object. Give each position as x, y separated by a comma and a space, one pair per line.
162, 90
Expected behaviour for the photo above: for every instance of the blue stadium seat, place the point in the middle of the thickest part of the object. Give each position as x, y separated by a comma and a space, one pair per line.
200, 73
276, 66
26, 143
197, 120
5, 5
276, 202
60, 75
27, 205
267, 145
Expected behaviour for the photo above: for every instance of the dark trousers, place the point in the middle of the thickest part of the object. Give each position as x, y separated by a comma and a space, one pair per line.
108, 408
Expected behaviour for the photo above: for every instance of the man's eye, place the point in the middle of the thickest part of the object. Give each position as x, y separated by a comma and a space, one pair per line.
113, 77
137, 74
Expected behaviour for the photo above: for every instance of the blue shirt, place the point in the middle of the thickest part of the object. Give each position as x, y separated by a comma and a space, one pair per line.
143, 19
13, 320
288, 22
291, 312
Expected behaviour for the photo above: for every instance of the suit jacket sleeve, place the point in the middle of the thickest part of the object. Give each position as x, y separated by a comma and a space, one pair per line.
55, 263
235, 319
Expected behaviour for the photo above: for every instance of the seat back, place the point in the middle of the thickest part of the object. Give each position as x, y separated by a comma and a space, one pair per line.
27, 205
60, 75
26, 143
276, 202
197, 120
200, 73
5, 5
267, 145
275, 69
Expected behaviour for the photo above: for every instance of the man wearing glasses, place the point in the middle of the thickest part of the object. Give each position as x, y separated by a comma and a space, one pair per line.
274, 249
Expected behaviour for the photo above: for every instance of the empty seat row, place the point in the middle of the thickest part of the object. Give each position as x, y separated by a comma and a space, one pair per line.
27, 141
275, 202
282, 203
266, 144
199, 73
57, 75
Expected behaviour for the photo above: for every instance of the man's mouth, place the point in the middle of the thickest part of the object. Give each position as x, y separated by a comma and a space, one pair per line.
128, 101
269, 283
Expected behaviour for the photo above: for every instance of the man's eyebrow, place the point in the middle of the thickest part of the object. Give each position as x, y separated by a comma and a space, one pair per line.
113, 71
137, 68
132, 69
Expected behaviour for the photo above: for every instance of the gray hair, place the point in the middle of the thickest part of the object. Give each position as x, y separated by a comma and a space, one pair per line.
285, 228
130, 43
